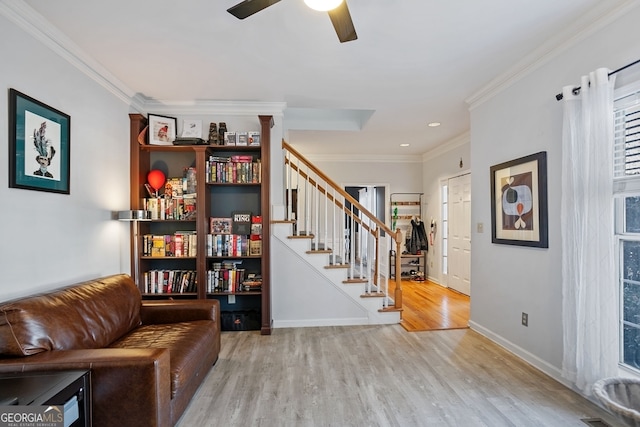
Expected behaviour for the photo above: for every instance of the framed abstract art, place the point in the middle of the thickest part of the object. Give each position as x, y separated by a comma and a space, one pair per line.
519, 202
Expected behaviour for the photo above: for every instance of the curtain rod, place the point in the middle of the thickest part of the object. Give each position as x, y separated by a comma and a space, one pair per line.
577, 89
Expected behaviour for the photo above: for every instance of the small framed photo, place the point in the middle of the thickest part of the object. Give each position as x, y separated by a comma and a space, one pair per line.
191, 128
219, 225
39, 144
519, 202
162, 130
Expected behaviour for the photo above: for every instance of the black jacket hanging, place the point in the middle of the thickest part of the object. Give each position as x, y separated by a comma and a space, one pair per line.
417, 240
423, 242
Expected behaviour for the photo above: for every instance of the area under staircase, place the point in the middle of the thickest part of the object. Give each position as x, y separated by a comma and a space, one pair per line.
337, 247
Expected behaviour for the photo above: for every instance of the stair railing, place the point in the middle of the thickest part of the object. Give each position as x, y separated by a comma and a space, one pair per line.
336, 223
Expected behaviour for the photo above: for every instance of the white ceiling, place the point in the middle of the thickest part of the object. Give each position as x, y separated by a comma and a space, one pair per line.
415, 61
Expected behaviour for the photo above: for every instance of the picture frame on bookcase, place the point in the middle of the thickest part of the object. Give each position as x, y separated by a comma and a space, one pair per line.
39, 144
191, 128
162, 130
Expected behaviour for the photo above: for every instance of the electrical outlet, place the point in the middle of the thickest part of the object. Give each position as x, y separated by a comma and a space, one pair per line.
231, 299
525, 319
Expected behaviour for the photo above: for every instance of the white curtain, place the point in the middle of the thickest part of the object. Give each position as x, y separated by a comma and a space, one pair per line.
589, 286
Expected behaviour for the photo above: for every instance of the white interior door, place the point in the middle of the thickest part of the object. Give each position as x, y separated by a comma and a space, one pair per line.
459, 245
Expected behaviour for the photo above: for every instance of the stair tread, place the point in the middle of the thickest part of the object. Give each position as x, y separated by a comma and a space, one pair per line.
382, 302
390, 309
373, 295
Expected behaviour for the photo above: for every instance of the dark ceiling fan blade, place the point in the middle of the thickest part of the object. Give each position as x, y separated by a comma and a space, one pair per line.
249, 7
341, 20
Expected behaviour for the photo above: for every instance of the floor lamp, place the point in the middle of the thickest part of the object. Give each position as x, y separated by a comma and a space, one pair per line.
134, 216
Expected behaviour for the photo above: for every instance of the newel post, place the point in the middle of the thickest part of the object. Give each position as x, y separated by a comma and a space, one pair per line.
398, 292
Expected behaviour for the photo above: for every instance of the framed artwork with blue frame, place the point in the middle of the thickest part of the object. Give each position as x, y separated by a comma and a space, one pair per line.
39, 145
519, 202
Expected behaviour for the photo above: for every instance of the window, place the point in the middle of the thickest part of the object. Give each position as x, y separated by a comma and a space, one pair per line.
445, 225
627, 215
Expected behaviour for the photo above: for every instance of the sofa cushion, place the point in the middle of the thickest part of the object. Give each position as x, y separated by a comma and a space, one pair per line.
86, 315
187, 343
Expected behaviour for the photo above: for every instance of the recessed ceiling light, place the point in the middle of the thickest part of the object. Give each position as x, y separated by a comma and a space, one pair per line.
404, 145
434, 124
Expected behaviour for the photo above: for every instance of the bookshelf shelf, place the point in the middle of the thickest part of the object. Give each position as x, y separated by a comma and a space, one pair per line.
243, 293
212, 199
233, 184
191, 221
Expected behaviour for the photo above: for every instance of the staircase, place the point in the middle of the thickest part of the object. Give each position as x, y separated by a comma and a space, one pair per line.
335, 253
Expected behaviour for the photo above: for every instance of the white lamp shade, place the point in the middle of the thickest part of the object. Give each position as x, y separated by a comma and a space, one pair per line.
323, 5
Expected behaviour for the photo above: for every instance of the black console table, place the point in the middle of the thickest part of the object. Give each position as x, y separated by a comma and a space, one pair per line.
68, 389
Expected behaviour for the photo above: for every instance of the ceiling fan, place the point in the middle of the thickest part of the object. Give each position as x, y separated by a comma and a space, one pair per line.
340, 16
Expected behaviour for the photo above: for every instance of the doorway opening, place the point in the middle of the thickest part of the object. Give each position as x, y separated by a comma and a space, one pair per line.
373, 198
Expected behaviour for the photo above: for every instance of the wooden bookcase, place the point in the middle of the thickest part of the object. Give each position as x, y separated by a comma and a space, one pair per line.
212, 200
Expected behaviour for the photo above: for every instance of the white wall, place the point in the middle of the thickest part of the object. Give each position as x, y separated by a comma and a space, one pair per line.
301, 295
401, 176
441, 164
522, 119
398, 176
53, 239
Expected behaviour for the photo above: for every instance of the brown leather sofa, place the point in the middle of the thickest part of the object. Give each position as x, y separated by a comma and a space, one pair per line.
147, 359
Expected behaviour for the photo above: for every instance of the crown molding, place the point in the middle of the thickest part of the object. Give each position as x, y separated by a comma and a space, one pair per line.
227, 108
138, 104
42, 30
454, 143
363, 158
583, 27
36, 25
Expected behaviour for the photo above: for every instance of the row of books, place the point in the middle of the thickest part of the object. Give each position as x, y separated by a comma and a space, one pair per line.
170, 281
173, 208
238, 172
234, 245
179, 244
225, 280
222, 279
178, 187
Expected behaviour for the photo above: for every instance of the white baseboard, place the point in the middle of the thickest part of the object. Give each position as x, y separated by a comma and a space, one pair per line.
523, 354
307, 323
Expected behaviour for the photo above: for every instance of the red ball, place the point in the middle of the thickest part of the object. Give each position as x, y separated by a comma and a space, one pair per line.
156, 179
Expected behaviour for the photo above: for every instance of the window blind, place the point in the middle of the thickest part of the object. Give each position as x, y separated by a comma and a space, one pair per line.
626, 154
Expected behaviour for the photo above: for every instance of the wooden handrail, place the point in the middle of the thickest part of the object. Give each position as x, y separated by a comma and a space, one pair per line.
336, 187
330, 196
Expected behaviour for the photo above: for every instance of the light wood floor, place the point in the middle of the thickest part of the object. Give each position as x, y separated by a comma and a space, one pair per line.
378, 376
428, 306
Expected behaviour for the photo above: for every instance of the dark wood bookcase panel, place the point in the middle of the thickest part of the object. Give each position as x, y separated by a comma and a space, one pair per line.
213, 199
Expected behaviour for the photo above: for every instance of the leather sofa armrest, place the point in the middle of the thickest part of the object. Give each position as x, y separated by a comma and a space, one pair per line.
129, 386
157, 312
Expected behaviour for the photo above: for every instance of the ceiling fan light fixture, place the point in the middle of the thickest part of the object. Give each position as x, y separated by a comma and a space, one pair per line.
323, 5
